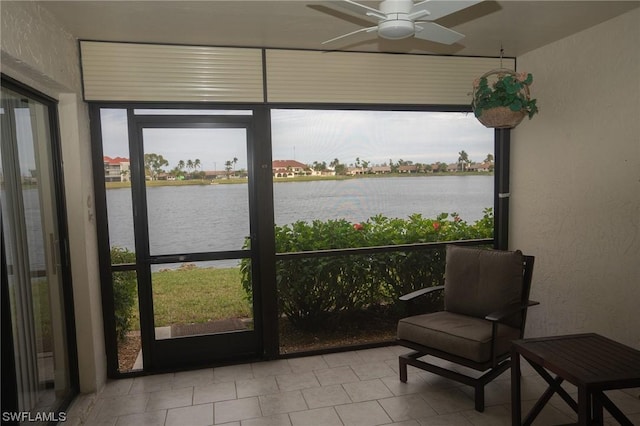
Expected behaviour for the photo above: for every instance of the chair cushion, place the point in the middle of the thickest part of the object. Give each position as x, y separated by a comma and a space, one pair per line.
479, 282
461, 335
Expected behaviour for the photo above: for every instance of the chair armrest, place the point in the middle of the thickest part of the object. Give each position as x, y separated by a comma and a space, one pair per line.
415, 294
508, 311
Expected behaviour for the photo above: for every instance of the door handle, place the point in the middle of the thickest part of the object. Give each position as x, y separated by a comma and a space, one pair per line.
54, 253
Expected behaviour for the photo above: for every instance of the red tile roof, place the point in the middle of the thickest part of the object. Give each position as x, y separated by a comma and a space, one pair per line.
116, 160
284, 164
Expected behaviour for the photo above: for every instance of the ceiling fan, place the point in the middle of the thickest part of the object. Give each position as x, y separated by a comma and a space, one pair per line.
398, 19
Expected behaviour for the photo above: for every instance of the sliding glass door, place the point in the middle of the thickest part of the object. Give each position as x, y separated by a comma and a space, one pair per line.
34, 278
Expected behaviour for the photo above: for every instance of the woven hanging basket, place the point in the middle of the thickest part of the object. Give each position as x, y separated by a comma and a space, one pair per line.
500, 117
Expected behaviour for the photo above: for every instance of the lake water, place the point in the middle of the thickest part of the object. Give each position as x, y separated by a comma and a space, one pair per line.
185, 219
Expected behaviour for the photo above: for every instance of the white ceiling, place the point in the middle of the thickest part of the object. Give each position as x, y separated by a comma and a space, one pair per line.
519, 26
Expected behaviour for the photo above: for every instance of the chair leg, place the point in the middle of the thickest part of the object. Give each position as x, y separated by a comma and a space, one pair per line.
479, 397
403, 369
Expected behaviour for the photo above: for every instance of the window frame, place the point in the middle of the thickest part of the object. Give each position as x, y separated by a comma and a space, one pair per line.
263, 197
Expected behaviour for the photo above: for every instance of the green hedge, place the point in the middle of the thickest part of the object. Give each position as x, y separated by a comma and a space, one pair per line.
124, 291
312, 290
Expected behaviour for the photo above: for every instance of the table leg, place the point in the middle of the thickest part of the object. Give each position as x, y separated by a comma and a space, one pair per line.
584, 406
597, 409
605, 402
516, 404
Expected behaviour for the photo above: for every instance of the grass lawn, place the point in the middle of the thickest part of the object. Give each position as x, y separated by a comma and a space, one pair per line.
196, 295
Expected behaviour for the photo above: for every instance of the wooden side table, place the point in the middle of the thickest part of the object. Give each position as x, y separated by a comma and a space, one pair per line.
591, 362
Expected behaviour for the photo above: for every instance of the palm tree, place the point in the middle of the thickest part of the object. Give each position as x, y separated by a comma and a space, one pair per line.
463, 159
227, 167
181, 164
489, 158
196, 165
189, 165
235, 161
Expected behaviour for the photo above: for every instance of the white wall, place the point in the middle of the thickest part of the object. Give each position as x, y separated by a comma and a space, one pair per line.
37, 51
576, 182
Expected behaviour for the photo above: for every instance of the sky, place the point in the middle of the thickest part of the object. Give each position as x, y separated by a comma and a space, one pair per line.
318, 135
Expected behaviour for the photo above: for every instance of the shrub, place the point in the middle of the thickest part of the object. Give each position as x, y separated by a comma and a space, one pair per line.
124, 291
313, 289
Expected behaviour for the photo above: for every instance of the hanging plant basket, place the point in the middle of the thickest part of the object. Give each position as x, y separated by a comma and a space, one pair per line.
501, 118
501, 98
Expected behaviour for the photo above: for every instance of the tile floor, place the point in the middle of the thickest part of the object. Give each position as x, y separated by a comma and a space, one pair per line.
349, 388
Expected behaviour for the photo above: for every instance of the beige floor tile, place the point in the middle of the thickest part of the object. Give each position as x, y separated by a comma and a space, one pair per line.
196, 415
193, 378
332, 389
237, 409
634, 392
171, 398
499, 415
270, 368
230, 373
342, 359
406, 407
309, 363
414, 384
325, 396
152, 383
373, 370
214, 392
406, 423
456, 419
111, 421
367, 390
275, 420
151, 418
256, 387
377, 354
399, 350
116, 388
448, 401
123, 405
291, 382
336, 376
316, 417
284, 402
368, 413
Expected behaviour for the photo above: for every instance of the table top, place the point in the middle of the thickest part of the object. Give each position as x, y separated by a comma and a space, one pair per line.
587, 360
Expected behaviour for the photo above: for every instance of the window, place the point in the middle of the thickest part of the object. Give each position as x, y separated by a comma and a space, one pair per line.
355, 165
357, 179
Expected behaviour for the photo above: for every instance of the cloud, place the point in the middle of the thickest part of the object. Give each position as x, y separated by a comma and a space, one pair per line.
377, 136
318, 135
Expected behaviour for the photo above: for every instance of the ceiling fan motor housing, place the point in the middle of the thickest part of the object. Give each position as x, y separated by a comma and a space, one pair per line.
398, 27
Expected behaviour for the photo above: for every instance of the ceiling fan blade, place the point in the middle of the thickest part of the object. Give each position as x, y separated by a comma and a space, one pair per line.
439, 8
360, 9
434, 32
368, 30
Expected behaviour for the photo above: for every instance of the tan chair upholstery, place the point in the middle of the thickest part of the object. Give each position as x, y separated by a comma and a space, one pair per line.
485, 300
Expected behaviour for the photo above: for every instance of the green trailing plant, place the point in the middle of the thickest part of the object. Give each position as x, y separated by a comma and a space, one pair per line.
124, 292
509, 90
312, 290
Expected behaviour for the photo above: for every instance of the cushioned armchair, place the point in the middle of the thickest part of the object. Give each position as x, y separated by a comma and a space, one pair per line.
486, 296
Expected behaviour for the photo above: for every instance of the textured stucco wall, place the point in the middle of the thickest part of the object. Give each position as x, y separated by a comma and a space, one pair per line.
576, 182
37, 51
